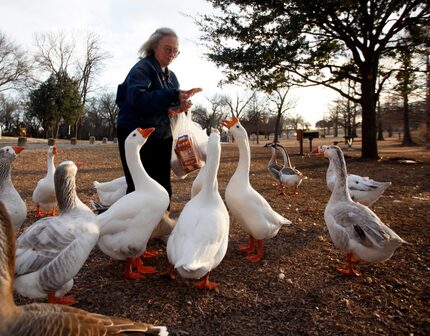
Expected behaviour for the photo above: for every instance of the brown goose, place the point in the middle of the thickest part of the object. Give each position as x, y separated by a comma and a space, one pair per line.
51, 319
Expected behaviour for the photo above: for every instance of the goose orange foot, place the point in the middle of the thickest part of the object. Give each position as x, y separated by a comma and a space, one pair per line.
138, 263
128, 271
351, 260
259, 255
53, 212
281, 190
39, 212
68, 300
254, 257
150, 254
248, 248
205, 283
349, 271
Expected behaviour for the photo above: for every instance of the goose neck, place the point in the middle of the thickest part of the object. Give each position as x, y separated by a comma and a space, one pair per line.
210, 182
7, 268
65, 191
138, 173
286, 157
340, 190
51, 165
273, 157
4, 173
244, 157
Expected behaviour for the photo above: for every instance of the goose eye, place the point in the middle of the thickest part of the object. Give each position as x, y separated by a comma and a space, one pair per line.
134, 134
237, 126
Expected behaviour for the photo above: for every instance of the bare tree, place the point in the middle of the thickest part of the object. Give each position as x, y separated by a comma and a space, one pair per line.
279, 98
238, 103
9, 116
219, 108
257, 110
14, 66
56, 52
109, 111
296, 122
87, 70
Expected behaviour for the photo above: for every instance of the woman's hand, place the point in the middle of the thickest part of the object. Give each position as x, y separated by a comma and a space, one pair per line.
184, 95
183, 107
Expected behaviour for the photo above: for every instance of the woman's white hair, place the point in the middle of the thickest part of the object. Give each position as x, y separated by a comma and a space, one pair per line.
148, 47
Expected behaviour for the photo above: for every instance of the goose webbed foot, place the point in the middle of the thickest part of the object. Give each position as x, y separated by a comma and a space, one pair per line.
250, 247
150, 254
205, 283
128, 271
138, 263
259, 255
349, 271
68, 300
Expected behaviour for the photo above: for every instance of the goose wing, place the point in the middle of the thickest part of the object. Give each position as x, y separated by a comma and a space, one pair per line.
42, 242
361, 224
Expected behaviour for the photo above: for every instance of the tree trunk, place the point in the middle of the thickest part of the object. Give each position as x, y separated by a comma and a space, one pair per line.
369, 145
278, 120
428, 102
407, 138
380, 130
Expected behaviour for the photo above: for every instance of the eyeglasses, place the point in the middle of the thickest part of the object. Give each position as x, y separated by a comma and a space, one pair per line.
169, 50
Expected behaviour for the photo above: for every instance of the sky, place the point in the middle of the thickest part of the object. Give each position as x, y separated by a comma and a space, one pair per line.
123, 26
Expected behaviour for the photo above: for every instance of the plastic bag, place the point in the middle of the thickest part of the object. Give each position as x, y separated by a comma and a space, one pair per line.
189, 145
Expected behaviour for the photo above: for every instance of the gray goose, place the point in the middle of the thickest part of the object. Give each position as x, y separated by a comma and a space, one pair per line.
41, 319
15, 205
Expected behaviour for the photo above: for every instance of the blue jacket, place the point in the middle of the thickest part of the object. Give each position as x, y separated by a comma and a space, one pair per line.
145, 97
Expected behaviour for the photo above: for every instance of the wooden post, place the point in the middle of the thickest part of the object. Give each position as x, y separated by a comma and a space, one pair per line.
22, 141
300, 138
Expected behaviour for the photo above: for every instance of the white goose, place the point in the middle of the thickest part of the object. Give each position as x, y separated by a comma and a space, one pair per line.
39, 319
198, 182
252, 211
111, 191
44, 193
353, 227
362, 189
127, 225
52, 250
198, 242
14, 204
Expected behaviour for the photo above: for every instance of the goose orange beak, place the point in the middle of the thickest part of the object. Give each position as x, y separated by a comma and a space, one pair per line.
54, 150
18, 149
146, 132
229, 123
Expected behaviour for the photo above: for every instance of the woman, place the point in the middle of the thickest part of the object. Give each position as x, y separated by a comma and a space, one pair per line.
147, 97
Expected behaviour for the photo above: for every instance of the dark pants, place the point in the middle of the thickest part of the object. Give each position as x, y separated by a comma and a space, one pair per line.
155, 156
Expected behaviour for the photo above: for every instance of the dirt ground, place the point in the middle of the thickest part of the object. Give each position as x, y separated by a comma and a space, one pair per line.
312, 299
